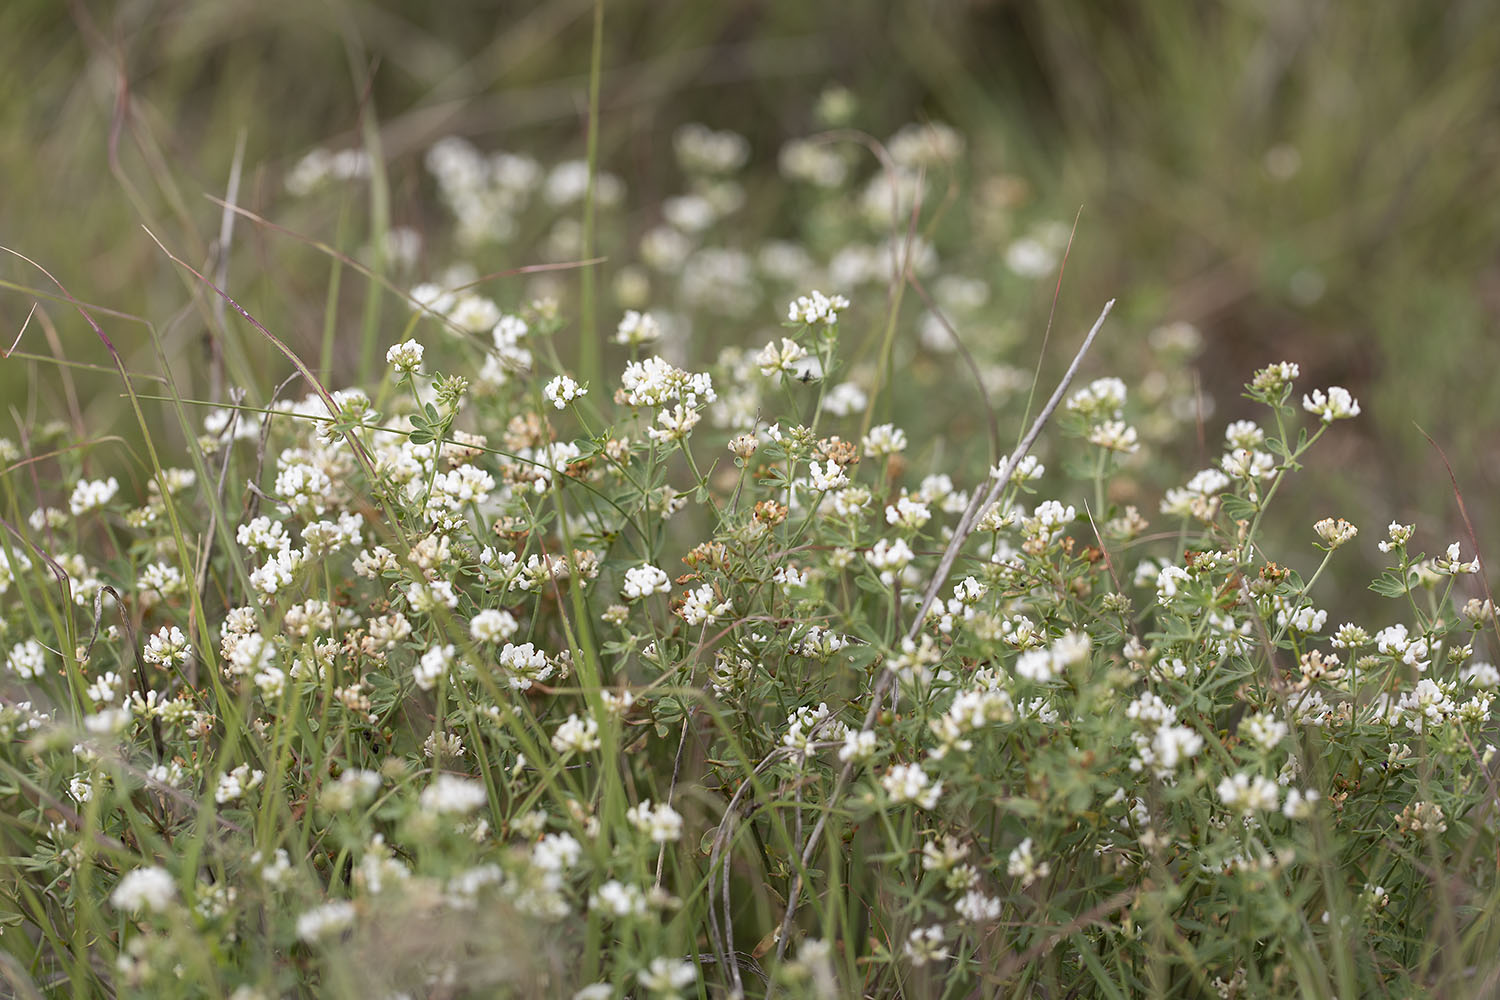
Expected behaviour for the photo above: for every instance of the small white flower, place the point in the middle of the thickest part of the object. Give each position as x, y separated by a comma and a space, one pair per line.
1115, 435
827, 478
236, 783
525, 665
405, 358
1172, 745
884, 439
619, 899
1451, 563
1299, 805
1246, 795
977, 908
667, 977
1022, 864
701, 606
149, 890
426, 598
909, 783
323, 921
859, 745
1337, 405
562, 390
556, 852
661, 822
1102, 399
783, 358
1030, 258
1335, 532
676, 424
474, 313
643, 581
908, 513
354, 787
433, 666
1244, 434
91, 494
844, 399
450, 793
816, 307
576, 735
637, 328
492, 626
1243, 463
1264, 730
1399, 535
925, 945
889, 559
1168, 580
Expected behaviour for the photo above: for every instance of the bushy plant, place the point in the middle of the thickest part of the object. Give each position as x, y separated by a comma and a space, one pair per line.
486, 678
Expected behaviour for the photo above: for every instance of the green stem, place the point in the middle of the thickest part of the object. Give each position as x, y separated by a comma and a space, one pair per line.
588, 346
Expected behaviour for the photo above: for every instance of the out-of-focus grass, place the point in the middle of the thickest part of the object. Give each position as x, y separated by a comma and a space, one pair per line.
1311, 181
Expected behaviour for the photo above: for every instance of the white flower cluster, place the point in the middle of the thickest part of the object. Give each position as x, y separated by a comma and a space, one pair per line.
816, 307
492, 626
1431, 705
818, 643
452, 794
661, 822
1451, 563
1336, 405
1410, 650
704, 150
325, 921
145, 890
575, 735
909, 783
908, 512
168, 648
805, 724
27, 660
1248, 795
1101, 399
1046, 523
637, 328
1199, 498
883, 440
525, 665
986, 702
485, 193
405, 358
1022, 864
702, 607
1042, 666
562, 390
92, 494
1161, 743
889, 559
236, 783
655, 382
782, 358
433, 666
320, 166
643, 581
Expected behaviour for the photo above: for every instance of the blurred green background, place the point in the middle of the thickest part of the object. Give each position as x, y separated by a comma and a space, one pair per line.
1301, 180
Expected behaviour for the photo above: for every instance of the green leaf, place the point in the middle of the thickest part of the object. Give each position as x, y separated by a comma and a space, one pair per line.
1389, 584
1238, 507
